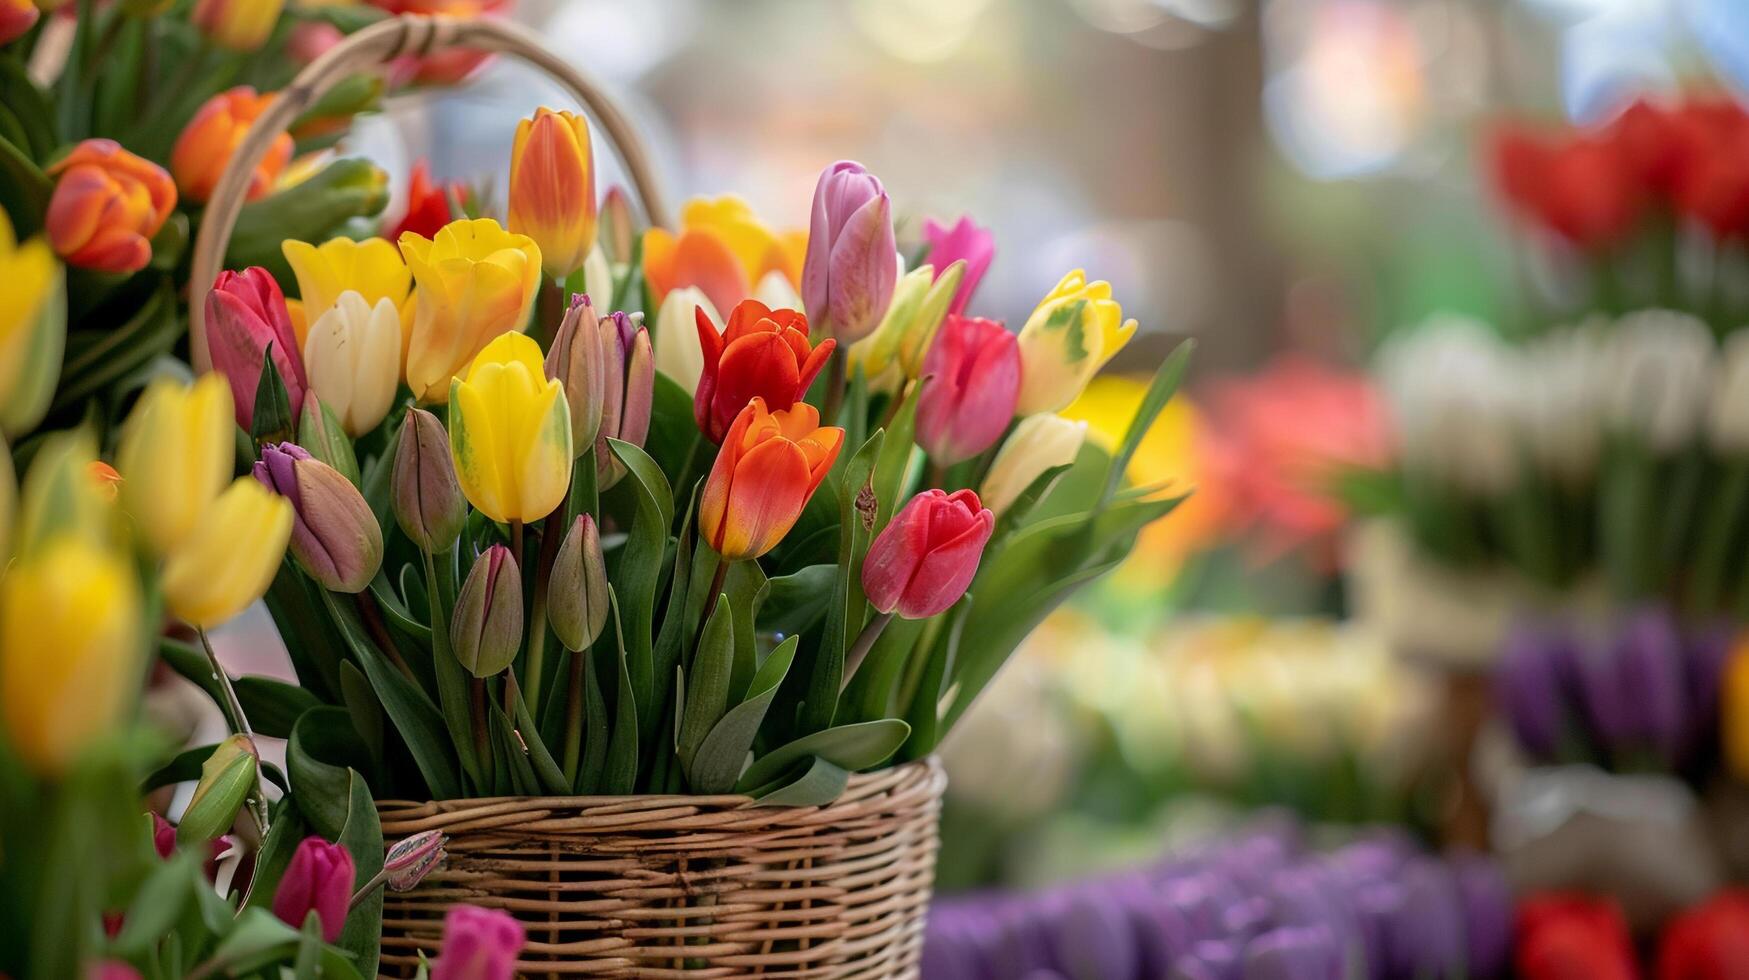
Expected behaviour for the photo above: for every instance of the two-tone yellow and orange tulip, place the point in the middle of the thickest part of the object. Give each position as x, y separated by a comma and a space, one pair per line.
510, 432
475, 281
371, 267
33, 329
205, 146
769, 465
723, 250
552, 189
107, 205
1070, 335
237, 25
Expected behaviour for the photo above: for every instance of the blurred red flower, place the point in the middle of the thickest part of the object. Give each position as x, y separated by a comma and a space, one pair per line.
1569, 936
1709, 941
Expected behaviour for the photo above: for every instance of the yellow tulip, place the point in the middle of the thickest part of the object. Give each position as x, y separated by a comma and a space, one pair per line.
237, 25
1067, 339
510, 432
476, 281
1038, 443
920, 303
60, 499
8, 502
353, 358
70, 635
33, 329
552, 189
174, 457
231, 557
372, 268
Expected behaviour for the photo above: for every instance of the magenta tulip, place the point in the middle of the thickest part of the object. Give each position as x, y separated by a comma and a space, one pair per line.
964, 240
972, 384
852, 262
922, 562
319, 879
478, 944
245, 315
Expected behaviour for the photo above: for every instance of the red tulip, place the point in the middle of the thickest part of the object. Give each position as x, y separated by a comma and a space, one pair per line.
770, 464
430, 205
761, 353
245, 313
923, 560
973, 372
1581, 188
1573, 937
1710, 178
1709, 941
319, 879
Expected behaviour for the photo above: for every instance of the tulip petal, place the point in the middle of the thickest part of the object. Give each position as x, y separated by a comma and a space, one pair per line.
769, 489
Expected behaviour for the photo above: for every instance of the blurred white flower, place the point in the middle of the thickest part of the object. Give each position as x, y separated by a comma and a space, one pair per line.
1728, 412
1451, 386
1659, 377
1560, 400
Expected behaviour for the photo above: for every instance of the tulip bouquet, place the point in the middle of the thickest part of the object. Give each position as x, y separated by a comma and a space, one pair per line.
526, 561
116, 121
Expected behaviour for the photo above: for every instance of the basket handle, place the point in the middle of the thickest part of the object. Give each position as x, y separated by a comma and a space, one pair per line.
373, 47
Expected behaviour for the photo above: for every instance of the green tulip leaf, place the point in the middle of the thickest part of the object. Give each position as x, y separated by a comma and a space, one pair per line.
855, 747
798, 600
719, 759
640, 569
819, 784
619, 769
707, 695
847, 608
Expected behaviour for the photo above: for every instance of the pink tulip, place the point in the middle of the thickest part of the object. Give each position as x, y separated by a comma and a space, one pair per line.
245, 313
852, 262
973, 383
111, 970
964, 240
478, 944
319, 879
921, 563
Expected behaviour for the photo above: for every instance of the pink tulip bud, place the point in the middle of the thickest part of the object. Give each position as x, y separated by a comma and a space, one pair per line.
486, 628
964, 240
576, 362
973, 383
425, 494
628, 391
319, 879
411, 860
245, 315
478, 944
922, 562
852, 262
335, 537
111, 970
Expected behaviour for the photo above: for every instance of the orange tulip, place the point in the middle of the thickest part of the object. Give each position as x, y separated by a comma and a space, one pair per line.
770, 464
107, 205
552, 189
722, 249
215, 132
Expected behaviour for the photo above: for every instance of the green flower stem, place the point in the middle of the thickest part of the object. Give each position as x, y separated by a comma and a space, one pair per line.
574, 715
239, 724
871, 631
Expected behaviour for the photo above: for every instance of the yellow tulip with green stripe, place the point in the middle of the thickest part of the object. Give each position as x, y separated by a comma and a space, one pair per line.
175, 456
230, 557
371, 267
1069, 336
475, 281
510, 432
33, 329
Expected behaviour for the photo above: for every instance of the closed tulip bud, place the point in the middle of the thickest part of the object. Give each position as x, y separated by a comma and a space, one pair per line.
175, 457
617, 228
577, 588
17, 17
476, 282
678, 353
226, 779
370, 267
33, 330
216, 131
852, 260
1038, 443
577, 363
629, 393
972, 383
923, 560
1067, 339
964, 242
761, 353
906, 333
353, 358
478, 944
237, 25
319, 879
335, 537
409, 861
70, 629
486, 630
427, 498
510, 432
230, 558
107, 206
245, 318
319, 431
598, 274
552, 188
769, 465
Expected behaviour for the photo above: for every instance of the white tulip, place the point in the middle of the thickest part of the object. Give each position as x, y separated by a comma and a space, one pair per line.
1728, 414
598, 278
1659, 377
353, 358
775, 291
678, 354
1038, 443
1450, 385
1561, 398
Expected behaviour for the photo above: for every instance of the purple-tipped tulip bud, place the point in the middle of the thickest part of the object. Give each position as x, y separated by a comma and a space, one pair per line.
577, 588
427, 498
630, 386
1487, 906
852, 263
576, 362
487, 628
335, 537
409, 861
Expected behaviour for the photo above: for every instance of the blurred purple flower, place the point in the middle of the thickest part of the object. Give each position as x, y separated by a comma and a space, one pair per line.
1528, 687
1486, 900
1427, 934
1210, 960
1094, 940
1294, 953
1649, 662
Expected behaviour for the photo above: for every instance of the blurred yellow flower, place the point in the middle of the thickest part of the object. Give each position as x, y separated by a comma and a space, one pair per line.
33, 329
476, 281
174, 457
723, 249
230, 558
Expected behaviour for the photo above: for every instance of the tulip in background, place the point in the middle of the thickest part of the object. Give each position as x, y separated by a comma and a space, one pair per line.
852, 261
32, 329
239, 25
318, 882
510, 432
722, 250
1038, 444
761, 353
973, 372
964, 242
768, 467
478, 944
352, 356
1707, 942
1561, 936
552, 189
107, 206
679, 352
17, 17
1071, 334
175, 457
246, 320
476, 282
215, 132
430, 204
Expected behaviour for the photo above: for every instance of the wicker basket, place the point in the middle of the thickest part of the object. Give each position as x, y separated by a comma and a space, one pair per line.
685, 886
